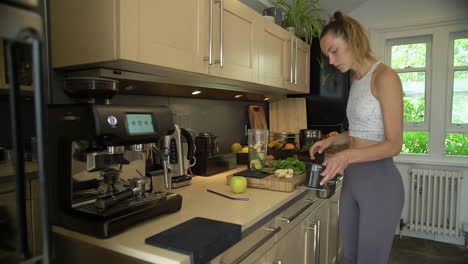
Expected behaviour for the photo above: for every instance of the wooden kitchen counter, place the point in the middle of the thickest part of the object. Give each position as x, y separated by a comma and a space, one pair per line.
197, 202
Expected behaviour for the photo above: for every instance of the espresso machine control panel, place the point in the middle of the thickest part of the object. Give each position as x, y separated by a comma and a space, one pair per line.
99, 155
126, 125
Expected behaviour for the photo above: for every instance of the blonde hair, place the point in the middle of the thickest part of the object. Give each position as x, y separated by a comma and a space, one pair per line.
353, 33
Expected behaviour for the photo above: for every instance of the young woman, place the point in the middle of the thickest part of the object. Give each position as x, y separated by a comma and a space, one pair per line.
372, 195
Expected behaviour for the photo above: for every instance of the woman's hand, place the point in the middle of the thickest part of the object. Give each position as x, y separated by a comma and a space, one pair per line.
338, 163
319, 147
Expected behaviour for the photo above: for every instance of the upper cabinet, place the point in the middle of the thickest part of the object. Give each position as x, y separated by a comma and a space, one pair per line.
170, 34
221, 40
275, 56
236, 41
298, 67
284, 60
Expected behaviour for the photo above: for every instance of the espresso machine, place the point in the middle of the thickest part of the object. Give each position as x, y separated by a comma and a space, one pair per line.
98, 156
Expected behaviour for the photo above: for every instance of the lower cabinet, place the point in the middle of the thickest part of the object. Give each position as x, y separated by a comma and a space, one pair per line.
316, 235
334, 236
306, 232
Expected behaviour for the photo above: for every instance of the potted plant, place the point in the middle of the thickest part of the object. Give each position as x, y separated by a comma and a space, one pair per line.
303, 16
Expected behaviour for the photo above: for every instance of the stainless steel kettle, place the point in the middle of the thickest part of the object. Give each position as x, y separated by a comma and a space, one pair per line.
176, 164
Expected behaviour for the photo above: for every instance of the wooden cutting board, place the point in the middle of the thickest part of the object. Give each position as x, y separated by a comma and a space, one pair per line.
274, 183
257, 117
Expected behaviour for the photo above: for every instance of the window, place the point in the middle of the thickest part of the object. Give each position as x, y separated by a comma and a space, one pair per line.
432, 63
410, 58
456, 136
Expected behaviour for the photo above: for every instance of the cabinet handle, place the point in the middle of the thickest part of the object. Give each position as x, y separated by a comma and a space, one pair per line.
295, 65
221, 33
262, 241
294, 216
291, 61
210, 52
316, 228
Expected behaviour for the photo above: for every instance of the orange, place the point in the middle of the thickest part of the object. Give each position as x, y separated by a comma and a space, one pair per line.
289, 146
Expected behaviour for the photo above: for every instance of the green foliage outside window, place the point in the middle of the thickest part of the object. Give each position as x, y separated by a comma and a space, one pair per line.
456, 144
409, 55
415, 142
460, 53
413, 109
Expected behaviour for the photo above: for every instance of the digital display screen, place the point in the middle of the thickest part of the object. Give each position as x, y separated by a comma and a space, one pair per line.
139, 123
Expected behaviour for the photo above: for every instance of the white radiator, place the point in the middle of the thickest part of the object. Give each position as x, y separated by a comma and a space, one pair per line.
435, 201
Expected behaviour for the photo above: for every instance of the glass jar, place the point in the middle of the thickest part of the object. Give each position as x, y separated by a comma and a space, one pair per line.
258, 142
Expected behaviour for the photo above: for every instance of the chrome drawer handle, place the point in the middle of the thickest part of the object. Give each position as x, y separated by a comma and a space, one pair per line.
300, 211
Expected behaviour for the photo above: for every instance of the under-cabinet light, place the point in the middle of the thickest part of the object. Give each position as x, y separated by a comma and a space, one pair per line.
196, 92
238, 96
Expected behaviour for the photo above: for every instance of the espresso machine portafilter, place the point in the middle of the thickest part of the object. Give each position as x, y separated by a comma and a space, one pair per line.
98, 159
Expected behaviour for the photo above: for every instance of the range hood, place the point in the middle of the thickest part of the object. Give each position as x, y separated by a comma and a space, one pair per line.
176, 83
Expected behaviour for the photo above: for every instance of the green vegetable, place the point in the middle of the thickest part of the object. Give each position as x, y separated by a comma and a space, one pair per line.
290, 163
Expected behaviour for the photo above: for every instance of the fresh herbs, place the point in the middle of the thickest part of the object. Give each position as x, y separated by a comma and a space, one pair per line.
290, 163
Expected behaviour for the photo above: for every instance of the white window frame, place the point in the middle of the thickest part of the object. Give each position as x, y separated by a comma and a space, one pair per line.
439, 90
408, 125
453, 127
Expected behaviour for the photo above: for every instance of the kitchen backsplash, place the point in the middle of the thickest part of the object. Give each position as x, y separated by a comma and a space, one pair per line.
225, 118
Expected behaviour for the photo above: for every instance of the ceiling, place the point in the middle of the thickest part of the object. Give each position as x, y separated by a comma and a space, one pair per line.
330, 6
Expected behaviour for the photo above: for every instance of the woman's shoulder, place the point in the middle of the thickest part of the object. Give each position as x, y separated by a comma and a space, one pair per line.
384, 74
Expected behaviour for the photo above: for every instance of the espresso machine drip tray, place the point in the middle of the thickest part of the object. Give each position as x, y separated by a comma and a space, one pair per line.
106, 223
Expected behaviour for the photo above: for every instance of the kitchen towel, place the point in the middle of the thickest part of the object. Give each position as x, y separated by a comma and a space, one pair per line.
200, 238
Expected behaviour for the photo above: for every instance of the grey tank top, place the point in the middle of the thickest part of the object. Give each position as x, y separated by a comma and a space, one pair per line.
364, 111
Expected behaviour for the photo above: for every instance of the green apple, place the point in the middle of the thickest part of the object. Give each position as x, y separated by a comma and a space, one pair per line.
238, 184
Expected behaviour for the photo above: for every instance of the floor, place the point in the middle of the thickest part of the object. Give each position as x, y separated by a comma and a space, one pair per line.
408, 250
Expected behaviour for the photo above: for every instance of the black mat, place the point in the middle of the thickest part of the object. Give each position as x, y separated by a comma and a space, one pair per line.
200, 238
252, 174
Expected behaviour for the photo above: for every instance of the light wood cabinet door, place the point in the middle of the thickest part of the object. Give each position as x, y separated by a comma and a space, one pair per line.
291, 248
172, 34
275, 56
302, 67
316, 235
239, 45
296, 68
333, 229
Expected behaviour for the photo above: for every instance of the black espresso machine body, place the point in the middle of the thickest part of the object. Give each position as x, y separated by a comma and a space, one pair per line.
97, 166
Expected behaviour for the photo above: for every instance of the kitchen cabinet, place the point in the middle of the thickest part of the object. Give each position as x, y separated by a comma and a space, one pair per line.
163, 33
237, 40
168, 34
284, 60
335, 243
300, 61
275, 56
316, 235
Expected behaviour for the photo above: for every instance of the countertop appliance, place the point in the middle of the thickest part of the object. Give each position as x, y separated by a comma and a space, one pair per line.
180, 155
209, 160
22, 36
98, 153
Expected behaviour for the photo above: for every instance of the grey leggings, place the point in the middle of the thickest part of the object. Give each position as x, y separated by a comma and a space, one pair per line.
371, 202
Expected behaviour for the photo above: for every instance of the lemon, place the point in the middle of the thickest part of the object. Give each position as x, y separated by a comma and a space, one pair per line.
333, 133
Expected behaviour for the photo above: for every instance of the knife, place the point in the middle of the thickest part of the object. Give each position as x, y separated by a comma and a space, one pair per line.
229, 197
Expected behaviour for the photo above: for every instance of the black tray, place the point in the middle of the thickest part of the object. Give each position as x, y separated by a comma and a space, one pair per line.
200, 238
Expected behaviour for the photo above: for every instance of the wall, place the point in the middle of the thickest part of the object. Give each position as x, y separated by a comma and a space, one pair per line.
378, 15
225, 118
